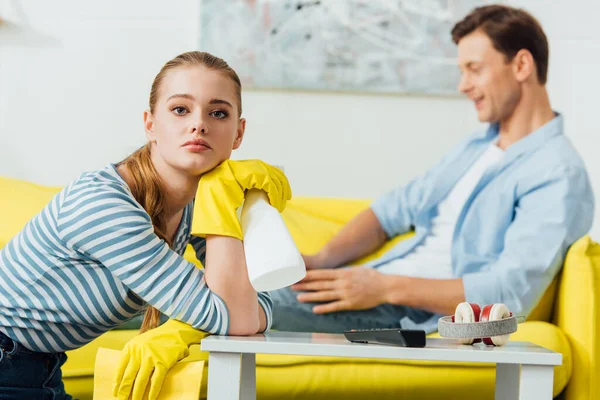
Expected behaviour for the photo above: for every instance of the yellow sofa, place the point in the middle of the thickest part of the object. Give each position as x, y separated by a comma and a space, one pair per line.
564, 321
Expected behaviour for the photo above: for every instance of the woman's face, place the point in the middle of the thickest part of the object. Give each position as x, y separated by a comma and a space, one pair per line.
196, 124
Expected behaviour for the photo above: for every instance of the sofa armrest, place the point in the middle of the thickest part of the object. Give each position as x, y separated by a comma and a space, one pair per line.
577, 314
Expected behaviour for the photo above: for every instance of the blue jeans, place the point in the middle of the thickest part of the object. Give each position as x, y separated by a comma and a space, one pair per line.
26, 374
291, 315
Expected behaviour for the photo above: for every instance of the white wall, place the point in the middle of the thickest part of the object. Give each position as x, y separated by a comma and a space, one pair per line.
75, 76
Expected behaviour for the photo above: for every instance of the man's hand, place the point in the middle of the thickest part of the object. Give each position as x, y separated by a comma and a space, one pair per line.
354, 288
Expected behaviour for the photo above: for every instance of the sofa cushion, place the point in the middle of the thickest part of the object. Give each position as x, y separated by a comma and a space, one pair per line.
20, 201
543, 310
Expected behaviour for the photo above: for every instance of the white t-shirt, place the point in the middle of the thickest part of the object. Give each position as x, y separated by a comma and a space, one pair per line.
432, 258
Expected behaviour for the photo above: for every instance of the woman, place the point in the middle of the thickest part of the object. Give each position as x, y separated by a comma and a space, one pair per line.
110, 244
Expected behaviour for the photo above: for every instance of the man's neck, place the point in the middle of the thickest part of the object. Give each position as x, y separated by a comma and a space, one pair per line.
532, 112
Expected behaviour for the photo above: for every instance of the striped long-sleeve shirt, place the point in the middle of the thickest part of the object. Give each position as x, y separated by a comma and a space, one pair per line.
90, 260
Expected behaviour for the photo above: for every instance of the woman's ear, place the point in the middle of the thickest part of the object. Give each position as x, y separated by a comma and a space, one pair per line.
240, 133
149, 126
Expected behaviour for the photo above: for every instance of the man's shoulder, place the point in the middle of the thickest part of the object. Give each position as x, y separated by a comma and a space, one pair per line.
558, 155
556, 164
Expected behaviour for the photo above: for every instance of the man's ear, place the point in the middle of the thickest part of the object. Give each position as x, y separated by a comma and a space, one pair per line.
149, 126
523, 65
240, 133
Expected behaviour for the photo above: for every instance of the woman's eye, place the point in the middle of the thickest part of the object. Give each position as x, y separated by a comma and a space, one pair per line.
179, 110
219, 114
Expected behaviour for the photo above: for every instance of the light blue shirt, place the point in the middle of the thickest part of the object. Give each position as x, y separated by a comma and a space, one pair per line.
515, 228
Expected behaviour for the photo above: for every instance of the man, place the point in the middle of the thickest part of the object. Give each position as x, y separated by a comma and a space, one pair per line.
492, 220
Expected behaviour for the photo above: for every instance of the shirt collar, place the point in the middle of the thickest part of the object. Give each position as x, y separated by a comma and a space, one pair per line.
534, 140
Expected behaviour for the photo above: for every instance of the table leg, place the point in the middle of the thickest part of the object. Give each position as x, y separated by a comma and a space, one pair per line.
507, 381
523, 382
248, 376
537, 382
224, 376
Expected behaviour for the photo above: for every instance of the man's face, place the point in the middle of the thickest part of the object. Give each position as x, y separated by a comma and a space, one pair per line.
487, 78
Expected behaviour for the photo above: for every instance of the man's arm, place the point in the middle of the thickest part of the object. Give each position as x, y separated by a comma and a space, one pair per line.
549, 216
361, 236
364, 288
389, 215
435, 295
551, 213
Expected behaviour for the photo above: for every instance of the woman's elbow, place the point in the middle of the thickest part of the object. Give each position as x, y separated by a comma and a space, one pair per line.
244, 329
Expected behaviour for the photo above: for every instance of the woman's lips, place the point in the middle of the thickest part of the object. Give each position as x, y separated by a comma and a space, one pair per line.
196, 147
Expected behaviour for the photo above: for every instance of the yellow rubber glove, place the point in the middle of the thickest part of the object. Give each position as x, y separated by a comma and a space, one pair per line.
221, 192
147, 358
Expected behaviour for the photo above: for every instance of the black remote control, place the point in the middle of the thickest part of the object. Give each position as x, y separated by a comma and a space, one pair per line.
393, 336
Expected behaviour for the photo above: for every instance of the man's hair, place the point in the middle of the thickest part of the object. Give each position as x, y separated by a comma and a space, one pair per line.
510, 30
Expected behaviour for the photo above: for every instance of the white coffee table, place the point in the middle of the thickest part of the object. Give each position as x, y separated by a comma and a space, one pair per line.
523, 370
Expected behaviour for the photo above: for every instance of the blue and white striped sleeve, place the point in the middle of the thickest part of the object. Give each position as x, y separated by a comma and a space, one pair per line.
199, 246
265, 301
105, 224
264, 298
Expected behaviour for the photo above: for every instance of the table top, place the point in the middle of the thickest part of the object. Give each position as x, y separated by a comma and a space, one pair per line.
336, 345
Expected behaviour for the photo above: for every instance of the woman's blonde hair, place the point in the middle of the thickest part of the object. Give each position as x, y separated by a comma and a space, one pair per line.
146, 184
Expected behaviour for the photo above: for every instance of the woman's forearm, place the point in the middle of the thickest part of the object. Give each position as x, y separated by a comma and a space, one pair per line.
227, 276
